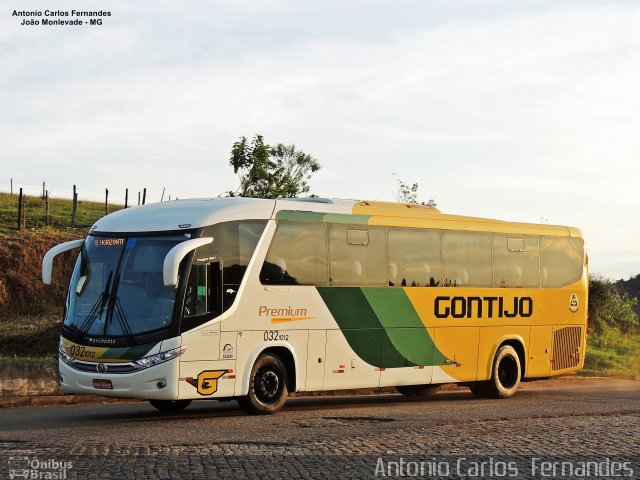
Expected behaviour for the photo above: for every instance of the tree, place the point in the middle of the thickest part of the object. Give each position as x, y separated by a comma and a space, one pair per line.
409, 194
270, 172
609, 306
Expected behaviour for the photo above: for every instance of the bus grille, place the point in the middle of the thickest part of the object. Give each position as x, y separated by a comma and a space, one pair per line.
566, 348
111, 367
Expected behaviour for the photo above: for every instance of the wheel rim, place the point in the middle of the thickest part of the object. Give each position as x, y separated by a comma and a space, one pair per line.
508, 372
267, 385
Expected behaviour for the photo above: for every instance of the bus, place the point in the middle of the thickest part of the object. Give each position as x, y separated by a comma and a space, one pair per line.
252, 299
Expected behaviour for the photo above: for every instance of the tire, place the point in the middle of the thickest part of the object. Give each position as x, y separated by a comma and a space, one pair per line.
505, 376
416, 391
170, 405
267, 387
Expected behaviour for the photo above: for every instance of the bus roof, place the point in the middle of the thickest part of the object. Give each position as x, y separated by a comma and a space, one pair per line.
197, 213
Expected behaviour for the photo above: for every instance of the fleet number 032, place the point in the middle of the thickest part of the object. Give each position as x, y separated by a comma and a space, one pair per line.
272, 335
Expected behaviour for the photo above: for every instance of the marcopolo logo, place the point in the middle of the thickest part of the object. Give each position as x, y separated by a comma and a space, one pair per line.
482, 307
35, 468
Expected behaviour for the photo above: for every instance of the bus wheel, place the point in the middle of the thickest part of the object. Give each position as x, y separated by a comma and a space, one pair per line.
170, 405
418, 390
505, 375
267, 388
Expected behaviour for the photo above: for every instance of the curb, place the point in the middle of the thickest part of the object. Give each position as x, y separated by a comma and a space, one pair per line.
55, 400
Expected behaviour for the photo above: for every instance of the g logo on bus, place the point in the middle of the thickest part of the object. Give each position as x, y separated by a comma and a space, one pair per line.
102, 368
207, 381
573, 303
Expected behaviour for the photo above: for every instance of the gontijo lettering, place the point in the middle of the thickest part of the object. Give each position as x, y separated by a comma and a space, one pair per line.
482, 307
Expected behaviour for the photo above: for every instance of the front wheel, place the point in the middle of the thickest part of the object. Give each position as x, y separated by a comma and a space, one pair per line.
267, 387
505, 376
170, 405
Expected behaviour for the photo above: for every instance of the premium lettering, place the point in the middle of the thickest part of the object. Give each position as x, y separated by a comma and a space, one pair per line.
482, 307
281, 312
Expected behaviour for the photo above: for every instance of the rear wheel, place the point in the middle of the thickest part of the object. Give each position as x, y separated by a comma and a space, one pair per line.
505, 375
416, 391
267, 386
170, 405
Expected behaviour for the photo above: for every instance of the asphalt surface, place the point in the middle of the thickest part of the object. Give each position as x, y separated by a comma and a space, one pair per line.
572, 419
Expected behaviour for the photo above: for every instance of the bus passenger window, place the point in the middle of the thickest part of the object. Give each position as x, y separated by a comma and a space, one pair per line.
561, 260
516, 261
357, 256
416, 258
297, 255
467, 259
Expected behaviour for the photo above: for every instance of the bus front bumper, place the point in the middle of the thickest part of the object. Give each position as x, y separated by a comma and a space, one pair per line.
159, 382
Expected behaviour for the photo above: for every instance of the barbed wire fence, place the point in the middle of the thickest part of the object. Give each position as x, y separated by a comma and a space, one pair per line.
122, 198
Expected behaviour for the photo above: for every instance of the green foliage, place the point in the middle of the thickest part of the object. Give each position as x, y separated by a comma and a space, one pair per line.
409, 194
632, 288
611, 351
270, 171
608, 306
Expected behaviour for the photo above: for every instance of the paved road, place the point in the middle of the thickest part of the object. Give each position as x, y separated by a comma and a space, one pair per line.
570, 419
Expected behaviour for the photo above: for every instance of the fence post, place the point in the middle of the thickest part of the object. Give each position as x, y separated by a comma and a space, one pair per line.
138, 197
43, 190
106, 201
46, 207
126, 197
20, 211
162, 198
75, 208
12, 187
144, 195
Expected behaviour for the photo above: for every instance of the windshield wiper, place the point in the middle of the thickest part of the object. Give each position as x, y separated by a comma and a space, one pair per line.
98, 308
115, 308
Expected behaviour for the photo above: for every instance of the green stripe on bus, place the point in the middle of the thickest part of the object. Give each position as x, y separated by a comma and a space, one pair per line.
403, 326
344, 218
128, 353
361, 326
299, 216
296, 216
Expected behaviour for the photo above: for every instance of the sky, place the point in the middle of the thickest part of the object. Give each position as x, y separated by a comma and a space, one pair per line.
522, 111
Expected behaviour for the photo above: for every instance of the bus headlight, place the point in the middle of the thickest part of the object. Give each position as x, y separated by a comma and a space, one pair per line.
64, 357
158, 358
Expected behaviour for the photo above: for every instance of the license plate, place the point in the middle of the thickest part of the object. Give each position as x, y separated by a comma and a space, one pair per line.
102, 384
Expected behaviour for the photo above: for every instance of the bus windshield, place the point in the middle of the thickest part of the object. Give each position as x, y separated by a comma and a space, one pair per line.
117, 287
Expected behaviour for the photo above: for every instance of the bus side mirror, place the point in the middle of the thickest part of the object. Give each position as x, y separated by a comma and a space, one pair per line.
47, 261
174, 257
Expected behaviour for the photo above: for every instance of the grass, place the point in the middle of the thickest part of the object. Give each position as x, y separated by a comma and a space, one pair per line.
613, 352
59, 213
29, 337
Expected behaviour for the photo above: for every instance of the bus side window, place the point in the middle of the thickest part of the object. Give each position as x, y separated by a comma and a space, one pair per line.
357, 255
516, 261
467, 259
415, 258
297, 255
195, 299
561, 260
202, 294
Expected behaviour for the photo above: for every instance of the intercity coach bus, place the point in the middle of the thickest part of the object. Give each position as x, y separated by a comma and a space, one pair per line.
250, 299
